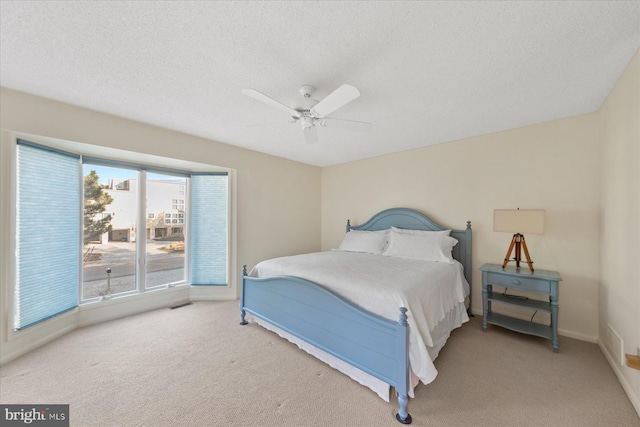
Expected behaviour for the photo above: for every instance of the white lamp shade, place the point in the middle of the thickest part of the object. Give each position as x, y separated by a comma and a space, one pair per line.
519, 220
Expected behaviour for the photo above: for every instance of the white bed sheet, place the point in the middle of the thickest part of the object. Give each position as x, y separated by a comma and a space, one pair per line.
433, 292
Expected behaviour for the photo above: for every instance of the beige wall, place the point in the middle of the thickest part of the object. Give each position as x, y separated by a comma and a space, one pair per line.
552, 166
620, 223
277, 204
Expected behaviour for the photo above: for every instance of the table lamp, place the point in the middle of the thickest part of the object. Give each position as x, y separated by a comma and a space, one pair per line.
518, 221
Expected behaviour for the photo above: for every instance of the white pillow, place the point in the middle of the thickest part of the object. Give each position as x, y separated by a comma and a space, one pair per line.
428, 247
372, 242
420, 232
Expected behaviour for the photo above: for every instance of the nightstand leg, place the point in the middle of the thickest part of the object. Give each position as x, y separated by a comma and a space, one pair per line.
554, 323
486, 305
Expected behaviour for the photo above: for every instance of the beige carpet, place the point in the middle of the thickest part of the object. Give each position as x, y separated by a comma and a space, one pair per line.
195, 366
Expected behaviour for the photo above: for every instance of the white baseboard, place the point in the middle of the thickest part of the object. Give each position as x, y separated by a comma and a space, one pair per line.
578, 336
28, 340
211, 293
628, 389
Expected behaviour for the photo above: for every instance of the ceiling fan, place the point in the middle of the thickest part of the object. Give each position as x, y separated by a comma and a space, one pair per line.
311, 113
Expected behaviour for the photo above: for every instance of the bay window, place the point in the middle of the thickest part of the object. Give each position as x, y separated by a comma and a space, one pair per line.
90, 229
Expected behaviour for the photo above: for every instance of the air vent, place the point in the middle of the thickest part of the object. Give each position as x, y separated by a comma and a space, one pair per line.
615, 345
180, 305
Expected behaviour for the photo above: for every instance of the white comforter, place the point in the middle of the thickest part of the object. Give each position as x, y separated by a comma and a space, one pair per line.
381, 285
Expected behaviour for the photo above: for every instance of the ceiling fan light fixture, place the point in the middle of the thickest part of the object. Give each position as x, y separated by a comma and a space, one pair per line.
310, 112
307, 90
306, 122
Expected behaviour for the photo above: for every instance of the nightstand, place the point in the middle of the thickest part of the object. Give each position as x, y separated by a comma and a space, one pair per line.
540, 281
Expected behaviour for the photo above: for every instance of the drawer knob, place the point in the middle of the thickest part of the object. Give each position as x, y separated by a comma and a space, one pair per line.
516, 282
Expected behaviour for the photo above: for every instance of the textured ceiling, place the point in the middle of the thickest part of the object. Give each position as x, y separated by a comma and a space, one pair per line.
428, 72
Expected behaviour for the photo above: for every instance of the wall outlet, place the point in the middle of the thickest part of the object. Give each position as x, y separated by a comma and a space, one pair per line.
633, 361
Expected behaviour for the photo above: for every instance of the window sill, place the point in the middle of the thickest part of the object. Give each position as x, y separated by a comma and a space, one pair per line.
130, 296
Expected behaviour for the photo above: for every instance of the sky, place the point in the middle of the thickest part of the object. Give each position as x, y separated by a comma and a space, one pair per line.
105, 173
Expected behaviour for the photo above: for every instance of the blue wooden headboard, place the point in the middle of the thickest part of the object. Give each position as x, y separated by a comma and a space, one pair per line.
414, 220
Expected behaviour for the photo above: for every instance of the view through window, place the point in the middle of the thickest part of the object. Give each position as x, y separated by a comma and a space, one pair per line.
109, 251
111, 203
166, 220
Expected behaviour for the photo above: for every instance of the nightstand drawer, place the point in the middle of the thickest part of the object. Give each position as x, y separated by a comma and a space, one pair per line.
524, 283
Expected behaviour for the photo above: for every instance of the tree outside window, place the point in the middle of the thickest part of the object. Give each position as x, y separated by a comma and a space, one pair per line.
96, 200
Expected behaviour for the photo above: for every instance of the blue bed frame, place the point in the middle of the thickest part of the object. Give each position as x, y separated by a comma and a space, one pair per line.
312, 313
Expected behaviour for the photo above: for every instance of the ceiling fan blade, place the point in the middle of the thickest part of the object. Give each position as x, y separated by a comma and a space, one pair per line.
310, 134
350, 125
336, 99
269, 101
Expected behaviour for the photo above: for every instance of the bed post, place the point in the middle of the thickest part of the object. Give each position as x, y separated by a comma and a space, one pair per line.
402, 386
242, 313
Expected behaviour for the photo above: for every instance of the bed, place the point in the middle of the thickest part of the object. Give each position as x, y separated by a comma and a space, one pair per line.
388, 340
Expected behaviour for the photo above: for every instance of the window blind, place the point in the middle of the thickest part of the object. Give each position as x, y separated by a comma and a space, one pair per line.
208, 229
48, 244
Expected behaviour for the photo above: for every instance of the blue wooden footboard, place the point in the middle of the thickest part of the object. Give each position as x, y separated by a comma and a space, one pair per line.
312, 313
